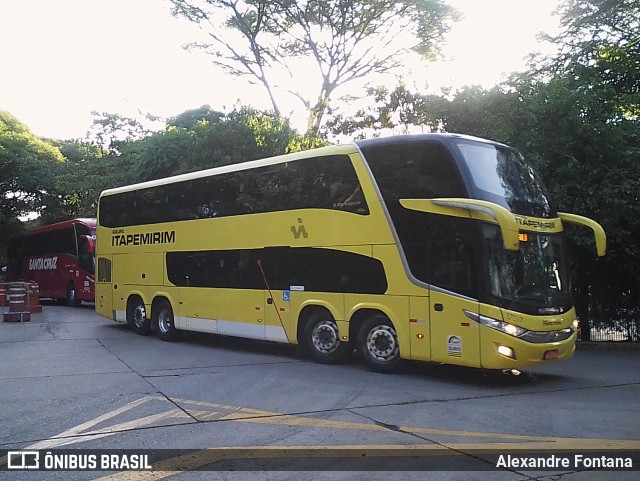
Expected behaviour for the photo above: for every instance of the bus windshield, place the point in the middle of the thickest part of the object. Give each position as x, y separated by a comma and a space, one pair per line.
534, 279
502, 175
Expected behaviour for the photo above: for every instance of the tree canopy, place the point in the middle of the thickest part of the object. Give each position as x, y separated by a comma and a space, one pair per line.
29, 165
272, 42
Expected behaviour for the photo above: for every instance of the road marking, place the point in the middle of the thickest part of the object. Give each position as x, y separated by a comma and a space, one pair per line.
198, 459
79, 433
207, 411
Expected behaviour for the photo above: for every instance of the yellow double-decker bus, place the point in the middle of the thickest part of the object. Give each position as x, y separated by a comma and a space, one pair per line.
435, 247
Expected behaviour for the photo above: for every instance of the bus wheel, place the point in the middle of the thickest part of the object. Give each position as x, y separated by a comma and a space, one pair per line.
322, 340
72, 297
164, 321
137, 316
378, 343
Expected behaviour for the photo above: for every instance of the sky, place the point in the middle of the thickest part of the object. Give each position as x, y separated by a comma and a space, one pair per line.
62, 59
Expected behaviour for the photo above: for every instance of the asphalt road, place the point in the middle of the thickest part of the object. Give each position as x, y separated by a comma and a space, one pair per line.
70, 379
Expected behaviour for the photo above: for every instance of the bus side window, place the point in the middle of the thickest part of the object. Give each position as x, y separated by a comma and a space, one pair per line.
86, 258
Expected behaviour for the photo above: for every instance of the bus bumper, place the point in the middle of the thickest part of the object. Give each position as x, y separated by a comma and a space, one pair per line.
502, 351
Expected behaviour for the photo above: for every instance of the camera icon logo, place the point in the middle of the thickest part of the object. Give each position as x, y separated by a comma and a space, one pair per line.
23, 460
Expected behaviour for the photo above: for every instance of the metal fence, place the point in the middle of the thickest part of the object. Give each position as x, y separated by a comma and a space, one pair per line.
601, 334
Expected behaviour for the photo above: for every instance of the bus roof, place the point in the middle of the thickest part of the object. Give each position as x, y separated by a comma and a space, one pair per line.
349, 148
89, 222
330, 150
396, 139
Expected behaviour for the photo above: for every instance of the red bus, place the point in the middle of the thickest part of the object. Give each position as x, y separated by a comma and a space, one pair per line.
60, 257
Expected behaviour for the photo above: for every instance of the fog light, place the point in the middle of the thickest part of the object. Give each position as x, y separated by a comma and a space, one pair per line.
507, 351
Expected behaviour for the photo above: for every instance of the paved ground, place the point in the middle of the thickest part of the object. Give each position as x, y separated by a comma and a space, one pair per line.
70, 379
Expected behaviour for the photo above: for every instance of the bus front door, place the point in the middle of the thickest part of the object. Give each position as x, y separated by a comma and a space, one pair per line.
455, 338
276, 315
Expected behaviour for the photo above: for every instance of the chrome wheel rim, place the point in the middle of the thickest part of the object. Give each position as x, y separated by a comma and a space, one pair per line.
139, 315
165, 321
325, 337
382, 343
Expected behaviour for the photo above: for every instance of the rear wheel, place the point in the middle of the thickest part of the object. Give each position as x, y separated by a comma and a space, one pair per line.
137, 316
164, 321
378, 343
321, 339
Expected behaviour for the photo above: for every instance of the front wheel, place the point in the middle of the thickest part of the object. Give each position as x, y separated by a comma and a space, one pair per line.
321, 339
164, 321
378, 344
137, 316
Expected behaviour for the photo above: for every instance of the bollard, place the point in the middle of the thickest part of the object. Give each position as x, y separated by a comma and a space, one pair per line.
3, 295
18, 295
34, 305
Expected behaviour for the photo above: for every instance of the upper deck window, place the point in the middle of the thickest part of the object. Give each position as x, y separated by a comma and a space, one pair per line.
502, 175
328, 182
414, 170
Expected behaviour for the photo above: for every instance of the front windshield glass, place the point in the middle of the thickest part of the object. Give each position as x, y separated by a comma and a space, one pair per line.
501, 175
534, 279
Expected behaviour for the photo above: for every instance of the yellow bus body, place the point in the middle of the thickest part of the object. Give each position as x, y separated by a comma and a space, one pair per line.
431, 323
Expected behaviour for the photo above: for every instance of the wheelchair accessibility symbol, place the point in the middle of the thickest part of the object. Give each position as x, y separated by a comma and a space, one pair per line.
286, 296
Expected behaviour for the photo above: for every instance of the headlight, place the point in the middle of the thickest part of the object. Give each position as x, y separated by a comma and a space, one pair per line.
501, 326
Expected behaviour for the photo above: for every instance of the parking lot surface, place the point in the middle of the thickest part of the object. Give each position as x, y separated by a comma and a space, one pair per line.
70, 379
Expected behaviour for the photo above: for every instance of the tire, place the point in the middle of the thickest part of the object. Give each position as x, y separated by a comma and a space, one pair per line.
321, 339
164, 321
378, 344
72, 296
137, 316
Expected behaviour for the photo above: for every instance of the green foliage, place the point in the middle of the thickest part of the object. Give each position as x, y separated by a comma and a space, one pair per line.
29, 166
203, 138
114, 132
600, 42
88, 171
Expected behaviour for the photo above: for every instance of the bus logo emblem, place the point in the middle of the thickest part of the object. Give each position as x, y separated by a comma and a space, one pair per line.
299, 230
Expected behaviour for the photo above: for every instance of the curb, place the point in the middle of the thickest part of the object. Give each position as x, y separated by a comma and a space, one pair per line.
608, 346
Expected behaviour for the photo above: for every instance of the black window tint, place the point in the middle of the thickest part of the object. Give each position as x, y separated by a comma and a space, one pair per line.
439, 249
85, 258
320, 270
236, 269
414, 170
104, 269
314, 183
54, 242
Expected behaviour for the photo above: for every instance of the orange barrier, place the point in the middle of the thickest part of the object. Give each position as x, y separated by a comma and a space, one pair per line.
18, 295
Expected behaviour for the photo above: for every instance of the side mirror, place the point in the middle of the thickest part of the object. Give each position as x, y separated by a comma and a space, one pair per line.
471, 208
598, 231
90, 242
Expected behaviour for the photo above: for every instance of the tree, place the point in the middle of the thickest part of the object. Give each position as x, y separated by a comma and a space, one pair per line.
29, 166
88, 171
345, 40
203, 138
112, 132
601, 39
